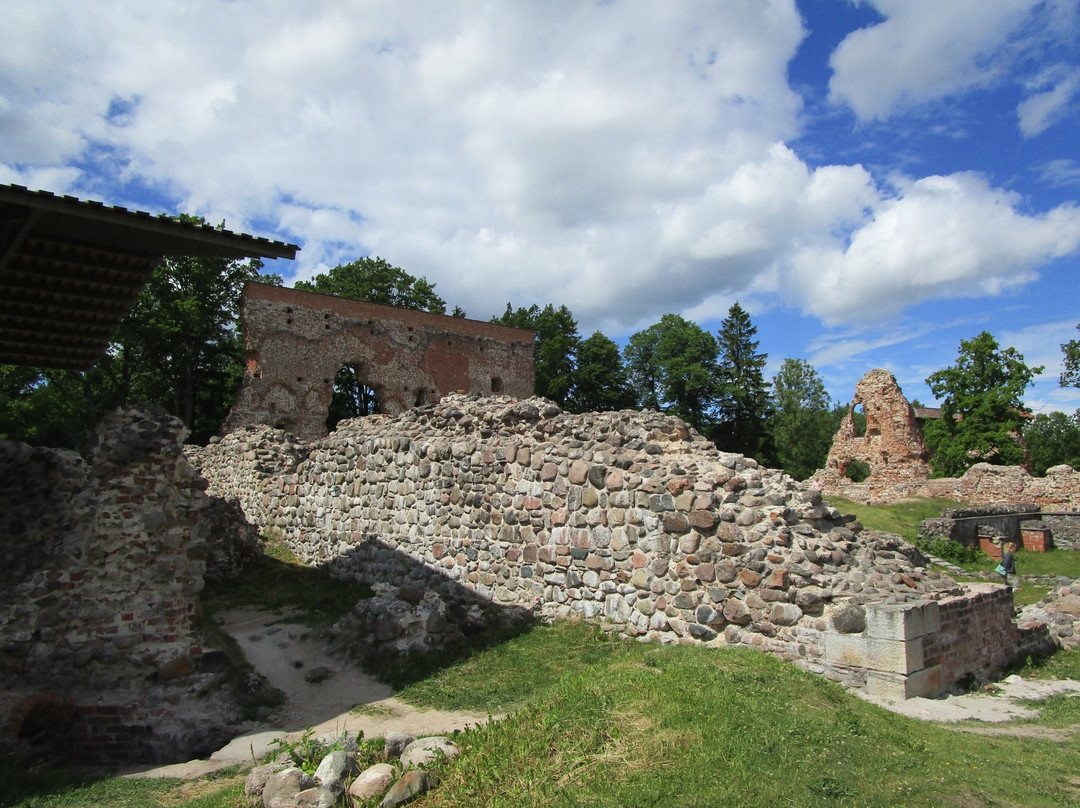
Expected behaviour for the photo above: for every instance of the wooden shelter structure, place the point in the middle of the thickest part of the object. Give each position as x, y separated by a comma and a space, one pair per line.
71, 269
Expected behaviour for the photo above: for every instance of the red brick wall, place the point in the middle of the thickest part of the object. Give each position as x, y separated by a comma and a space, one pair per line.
297, 341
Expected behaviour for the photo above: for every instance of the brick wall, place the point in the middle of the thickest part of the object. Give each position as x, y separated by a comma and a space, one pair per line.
102, 565
297, 341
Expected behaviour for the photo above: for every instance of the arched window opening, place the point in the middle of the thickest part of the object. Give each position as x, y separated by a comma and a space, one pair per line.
421, 398
858, 418
352, 397
496, 384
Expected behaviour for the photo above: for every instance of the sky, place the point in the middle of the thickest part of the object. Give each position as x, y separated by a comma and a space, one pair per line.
873, 181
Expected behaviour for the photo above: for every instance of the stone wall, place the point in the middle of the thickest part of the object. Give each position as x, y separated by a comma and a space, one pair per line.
891, 445
297, 341
101, 564
962, 525
1064, 529
630, 518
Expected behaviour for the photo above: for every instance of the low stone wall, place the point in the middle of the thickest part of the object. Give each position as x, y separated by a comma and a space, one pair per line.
982, 484
962, 525
630, 518
1064, 529
100, 570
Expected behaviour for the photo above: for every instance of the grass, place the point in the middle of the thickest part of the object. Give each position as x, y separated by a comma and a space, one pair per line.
902, 518
591, 719
24, 788
643, 725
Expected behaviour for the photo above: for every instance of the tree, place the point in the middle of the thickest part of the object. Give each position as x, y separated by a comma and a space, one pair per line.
600, 380
802, 423
982, 414
1053, 439
557, 345
672, 367
1070, 376
377, 281
744, 393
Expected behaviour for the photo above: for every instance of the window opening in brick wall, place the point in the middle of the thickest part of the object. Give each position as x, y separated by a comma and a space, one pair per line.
496, 384
858, 418
352, 397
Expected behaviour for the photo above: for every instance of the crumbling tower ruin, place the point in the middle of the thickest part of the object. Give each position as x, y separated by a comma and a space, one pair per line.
892, 444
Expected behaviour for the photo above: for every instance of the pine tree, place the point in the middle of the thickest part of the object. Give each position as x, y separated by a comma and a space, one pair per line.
744, 393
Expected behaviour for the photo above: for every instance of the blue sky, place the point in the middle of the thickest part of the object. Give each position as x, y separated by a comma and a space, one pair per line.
872, 181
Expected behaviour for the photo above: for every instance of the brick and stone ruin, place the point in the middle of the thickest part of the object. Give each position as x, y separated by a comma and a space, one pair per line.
892, 446
101, 568
630, 518
297, 341
458, 513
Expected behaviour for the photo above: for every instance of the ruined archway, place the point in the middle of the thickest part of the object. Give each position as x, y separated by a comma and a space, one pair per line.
884, 448
297, 342
352, 395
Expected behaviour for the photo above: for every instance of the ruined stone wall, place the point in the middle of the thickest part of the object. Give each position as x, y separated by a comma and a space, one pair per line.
894, 449
891, 445
101, 563
297, 341
630, 518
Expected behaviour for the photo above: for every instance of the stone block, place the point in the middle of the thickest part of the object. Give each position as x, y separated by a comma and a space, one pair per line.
861, 651
903, 621
923, 683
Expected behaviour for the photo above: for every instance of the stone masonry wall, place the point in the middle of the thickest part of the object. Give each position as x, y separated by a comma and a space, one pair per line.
892, 444
631, 518
297, 341
101, 563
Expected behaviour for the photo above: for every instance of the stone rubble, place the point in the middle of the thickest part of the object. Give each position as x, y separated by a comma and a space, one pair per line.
401, 777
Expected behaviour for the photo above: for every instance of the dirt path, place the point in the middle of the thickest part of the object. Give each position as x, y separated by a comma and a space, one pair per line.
340, 697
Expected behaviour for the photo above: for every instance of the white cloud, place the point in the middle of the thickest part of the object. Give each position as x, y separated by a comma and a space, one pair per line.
1041, 110
624, 159
951, 236
930, 50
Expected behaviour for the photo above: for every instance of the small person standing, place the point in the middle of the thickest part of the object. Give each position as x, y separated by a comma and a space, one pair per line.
1007, 568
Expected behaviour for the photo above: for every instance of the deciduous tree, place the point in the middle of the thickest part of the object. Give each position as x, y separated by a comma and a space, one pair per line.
802, 423
600, 380
982, 413
1070, 376
377, 281
1053, 439
672, 367
556, 350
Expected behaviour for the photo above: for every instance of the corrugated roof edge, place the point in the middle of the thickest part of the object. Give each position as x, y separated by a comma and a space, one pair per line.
21, 192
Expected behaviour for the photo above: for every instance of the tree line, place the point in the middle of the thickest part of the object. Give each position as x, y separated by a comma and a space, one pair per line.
181, 348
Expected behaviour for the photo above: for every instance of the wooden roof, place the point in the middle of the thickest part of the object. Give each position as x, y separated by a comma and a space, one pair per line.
70, 270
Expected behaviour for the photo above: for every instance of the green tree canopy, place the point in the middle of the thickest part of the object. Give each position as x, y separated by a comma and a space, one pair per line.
1070, 376
377, 281
982, 413
600, 380
802, 422
744, 393
672, 367
556, 350
1053, 439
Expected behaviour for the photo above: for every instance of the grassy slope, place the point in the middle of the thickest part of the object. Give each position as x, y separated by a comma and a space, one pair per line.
680, 725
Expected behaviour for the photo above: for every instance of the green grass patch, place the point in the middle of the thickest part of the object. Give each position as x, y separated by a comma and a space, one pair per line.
1053, 562
654, 725
1062, 665
51, 788
899, 517
277, 581
513, 673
